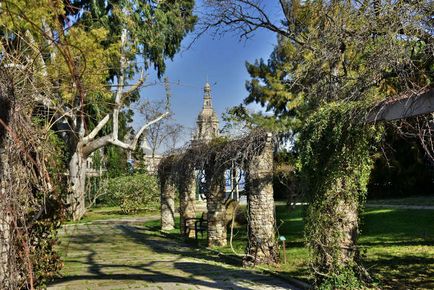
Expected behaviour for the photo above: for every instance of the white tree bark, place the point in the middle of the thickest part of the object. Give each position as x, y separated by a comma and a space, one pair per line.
77, 174
90, 143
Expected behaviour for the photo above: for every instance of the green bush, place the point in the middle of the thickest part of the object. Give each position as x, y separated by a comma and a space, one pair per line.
134, 192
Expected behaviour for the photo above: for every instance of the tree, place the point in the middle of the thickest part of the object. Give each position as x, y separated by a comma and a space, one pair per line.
84, 45
162, 133
333, 62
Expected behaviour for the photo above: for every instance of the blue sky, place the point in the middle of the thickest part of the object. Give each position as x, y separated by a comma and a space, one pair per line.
222, 61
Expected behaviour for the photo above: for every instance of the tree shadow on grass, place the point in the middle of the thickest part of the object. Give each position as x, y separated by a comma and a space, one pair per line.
404, 272
203, 272
398, 224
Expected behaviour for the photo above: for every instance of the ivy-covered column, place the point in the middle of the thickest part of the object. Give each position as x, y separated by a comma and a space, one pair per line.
335, 156
332, 227
167, 197
187, 196
262, 246
217, 235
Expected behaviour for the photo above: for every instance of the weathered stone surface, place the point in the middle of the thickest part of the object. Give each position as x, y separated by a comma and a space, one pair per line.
5, 207
168, 191
5, 239
216, 210
187, 196
262, 247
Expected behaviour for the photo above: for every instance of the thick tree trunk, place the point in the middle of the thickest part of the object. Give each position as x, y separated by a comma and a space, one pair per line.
76, 198
187, 196
167, 204
333, 230
216, 210
262, 246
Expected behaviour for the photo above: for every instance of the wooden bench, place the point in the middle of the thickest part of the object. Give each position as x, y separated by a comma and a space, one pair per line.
200, 225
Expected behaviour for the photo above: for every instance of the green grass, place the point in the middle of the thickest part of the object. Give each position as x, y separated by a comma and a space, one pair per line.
416, 200
398, 246
106, 213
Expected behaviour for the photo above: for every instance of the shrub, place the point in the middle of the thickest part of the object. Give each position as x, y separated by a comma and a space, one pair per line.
134, 192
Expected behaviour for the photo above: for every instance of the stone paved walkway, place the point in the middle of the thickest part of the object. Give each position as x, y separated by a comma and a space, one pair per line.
126, 256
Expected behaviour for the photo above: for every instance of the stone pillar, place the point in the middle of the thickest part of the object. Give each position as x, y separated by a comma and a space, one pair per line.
5, 230
187, 197
216, 208
168, 191
5, 190
262, 245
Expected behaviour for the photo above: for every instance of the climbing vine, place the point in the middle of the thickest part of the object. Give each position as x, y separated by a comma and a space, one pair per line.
335, 161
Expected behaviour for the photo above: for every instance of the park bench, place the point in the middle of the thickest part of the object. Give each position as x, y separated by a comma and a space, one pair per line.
196, 224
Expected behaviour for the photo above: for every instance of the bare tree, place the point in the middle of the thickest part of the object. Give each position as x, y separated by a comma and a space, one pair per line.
165, 133
90, 142
244, 17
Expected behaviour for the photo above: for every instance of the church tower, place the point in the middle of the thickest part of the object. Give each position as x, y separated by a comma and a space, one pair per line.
207, 121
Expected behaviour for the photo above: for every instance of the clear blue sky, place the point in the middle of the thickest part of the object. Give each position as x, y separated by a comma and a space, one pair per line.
222, 61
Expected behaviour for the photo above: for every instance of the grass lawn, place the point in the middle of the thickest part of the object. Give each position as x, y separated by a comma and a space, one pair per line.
106, 213
398, 246
416, 200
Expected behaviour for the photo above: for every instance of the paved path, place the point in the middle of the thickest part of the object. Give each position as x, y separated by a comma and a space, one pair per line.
127, 256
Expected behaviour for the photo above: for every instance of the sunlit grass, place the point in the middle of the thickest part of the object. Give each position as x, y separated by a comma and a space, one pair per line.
398, 246
416, 200
107, 213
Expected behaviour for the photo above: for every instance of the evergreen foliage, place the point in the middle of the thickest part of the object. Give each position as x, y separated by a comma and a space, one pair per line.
335, 61
70, 52
134, 192
335, 162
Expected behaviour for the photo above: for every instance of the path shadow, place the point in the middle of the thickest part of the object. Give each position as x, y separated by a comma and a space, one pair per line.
202, 272
174, 245
404, 272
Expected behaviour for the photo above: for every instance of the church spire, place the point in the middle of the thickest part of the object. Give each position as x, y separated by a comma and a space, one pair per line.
207, 96
207, 121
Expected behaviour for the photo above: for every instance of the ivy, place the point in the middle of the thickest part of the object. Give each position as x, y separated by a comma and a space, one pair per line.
335, 148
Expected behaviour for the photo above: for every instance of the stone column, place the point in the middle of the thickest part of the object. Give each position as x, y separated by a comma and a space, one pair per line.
168, 191
216, 208
187, 197
5, 230
5, 190
262, 246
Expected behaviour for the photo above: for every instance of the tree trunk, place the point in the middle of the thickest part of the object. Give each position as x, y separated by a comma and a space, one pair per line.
167, 204
187, 196
333, 230
262, 246
77, 174
216, 210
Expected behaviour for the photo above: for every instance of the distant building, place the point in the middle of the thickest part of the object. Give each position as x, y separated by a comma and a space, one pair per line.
207, 128
96, 169
150, 161
207, 121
